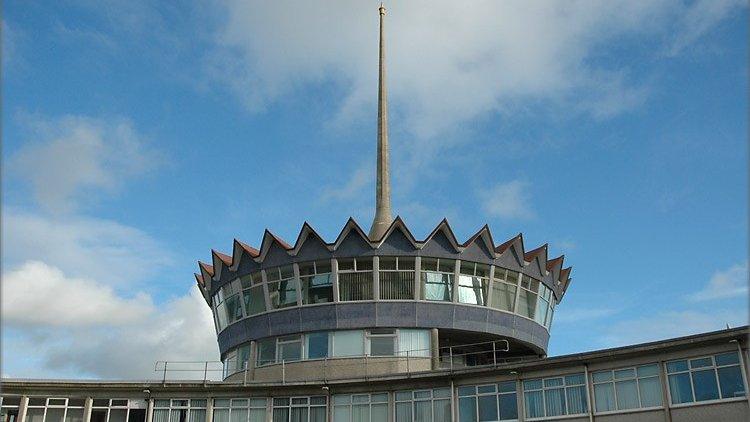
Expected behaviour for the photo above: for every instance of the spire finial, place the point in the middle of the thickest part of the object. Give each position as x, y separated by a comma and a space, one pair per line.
383, 216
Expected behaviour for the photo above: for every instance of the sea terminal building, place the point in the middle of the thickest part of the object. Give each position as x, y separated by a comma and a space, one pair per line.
383, 327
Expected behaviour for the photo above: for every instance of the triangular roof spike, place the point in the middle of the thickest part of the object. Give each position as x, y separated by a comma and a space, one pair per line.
445, 227
208, 269
350, 225
238, 249
505, 245
398, 224
530, 255
486, 236
220, 261
199, 279
565, 275
554, 265
304, 233
268, 239
226, 259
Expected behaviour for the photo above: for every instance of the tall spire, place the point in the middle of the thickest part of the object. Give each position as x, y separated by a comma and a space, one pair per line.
383, 216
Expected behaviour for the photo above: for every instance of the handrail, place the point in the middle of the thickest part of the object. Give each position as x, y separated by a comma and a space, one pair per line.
207, 367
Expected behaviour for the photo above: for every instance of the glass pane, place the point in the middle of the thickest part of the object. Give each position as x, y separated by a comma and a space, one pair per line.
266, 351
298, 414
255, 303
487, 408
74, 415
34, 414
624, 373
503, 296
55, 414
348, 343
677, 366
648, 370
554, 400
446, 265
290, 351
627, 394
650, 389
257, 415
380, 412
701, 363
423, 411
387, 263
576, 400
397, 285
602, 376
441, 411
704, 383
341, 413
318, 414
121, 415
317, 345
730, 381
534, 401
467, 409
355, 286
553, 382
575, 379
199, 415
727, 359
486, 389
680, 389
604, 397
532, 385
441, 393
507, 387
280, 414
467, 391
317, 289
436, 286
379, 398
508, 407
472, 290
403, 412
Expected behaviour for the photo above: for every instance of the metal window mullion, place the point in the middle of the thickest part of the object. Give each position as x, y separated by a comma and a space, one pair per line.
490, 286
335, 279
295, 270
417, 278
266, 292
456, 275
518, 292
376, 277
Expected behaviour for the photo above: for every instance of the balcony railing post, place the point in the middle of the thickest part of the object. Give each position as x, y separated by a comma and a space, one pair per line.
366, 362
494, 355
164, 377
283, 371
450, 356
205, 372
325, 369
408, 370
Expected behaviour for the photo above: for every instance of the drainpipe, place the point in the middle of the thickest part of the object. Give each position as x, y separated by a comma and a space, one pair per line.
435, 349
664, 392
589, 392
454, 410
22, 406
87, 404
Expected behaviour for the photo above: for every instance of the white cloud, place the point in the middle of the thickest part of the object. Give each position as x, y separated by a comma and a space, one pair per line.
507, 200
671, 324
699, 18
37, 294
449, 62
70, 156
82, 247
730, 283
362, 177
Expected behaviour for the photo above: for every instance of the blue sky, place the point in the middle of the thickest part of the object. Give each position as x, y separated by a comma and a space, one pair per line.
138, 136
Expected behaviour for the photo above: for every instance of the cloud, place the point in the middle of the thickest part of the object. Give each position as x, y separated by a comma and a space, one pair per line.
730, 283
114, 337
671, 324
362, 177
698, 19
507, 200
37, 294
67, 158
449, 62
82, 247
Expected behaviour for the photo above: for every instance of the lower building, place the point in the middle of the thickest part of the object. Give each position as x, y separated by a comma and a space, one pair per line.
696, 378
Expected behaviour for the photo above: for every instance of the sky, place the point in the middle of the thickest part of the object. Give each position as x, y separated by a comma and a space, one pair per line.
139, 135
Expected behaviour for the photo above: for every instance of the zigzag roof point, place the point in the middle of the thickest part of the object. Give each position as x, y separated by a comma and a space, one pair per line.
226, 259
530, 255
249, 249
207, 268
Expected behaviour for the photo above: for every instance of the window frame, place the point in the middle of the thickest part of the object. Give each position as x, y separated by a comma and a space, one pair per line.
423, 280
565, 386
714, 368
612, 381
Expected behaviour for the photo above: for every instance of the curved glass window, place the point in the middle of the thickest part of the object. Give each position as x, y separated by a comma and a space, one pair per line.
355, 279
252, 294
473, 283
315, 282
282, 286
437, 279
504, 286
527, 297
396, 278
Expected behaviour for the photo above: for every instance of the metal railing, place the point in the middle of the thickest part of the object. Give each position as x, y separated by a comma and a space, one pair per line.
449, 358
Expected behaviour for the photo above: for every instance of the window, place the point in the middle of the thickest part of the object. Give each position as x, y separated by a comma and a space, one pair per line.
236, 360
485, 403
396, 275
317, 345
706, 378
282, 286
227, 304
555, 396
355, 279
348, 343
41, 409
299, 409
289, 348
266, 351
628, 388
527, 297
423, 405
381, 342
360, 408
473, 283
543, 306
437, 278
252, 292
179, 410
504, 286
413, 342
9, 408
315, 282
240, 410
